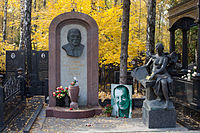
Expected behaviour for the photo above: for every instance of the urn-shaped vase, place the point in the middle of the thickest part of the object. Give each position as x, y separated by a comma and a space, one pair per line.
73, 94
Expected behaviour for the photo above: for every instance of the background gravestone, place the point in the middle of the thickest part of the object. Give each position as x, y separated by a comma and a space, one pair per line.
43, 57
39, 72
14, 60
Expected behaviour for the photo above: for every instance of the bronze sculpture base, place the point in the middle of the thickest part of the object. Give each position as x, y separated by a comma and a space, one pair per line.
155, 116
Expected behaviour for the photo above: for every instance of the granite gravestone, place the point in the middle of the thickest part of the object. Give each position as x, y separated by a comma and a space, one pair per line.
39, 71
14, 60
39, 65
42, 58
73, 52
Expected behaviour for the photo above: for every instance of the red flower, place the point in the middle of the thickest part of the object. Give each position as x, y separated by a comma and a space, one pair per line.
59, 91
54, 95
108, 105
116, 116
70, 108
66, 88
88, 125
58, 94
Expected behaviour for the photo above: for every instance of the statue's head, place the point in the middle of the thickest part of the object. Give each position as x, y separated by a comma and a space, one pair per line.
74, 36
159, 48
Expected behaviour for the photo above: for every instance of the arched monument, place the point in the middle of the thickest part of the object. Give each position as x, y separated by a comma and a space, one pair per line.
73, 52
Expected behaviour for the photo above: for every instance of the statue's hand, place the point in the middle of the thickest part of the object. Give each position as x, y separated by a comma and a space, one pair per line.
150, 77
148, 54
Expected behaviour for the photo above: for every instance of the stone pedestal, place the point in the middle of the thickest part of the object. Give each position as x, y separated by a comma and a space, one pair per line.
155, 116
66, 113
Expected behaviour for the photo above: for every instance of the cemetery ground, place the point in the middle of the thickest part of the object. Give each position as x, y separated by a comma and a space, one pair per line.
101, 123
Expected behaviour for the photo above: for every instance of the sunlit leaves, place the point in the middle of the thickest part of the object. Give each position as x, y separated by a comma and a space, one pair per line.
107, 16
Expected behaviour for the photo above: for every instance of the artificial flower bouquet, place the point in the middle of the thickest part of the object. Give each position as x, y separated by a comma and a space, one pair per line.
75, 82
60, 92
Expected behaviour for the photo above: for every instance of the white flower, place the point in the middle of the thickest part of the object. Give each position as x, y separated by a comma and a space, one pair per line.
188, 74
195, 73
195, 67
75, 78
189, 78
185, 78
189, 71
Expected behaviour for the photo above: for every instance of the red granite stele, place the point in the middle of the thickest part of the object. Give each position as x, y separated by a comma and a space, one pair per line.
55, 28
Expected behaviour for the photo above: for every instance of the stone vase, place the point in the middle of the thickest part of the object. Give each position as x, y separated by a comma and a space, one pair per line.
73, 94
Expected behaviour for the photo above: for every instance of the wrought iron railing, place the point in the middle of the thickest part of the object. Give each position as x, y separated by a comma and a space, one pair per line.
12, 98
11, 87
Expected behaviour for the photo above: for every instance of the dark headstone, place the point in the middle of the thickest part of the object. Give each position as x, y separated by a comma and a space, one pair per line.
129, 79
34, 75
196, 93
184, 91
39, 72
39, 65
42, 57
14, 60
158, 118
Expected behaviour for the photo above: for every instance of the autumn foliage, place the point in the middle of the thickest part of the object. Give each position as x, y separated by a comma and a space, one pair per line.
107, 15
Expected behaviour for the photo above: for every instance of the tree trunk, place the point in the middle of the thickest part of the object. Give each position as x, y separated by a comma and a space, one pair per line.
35, 4
5, 20
160, 9
21, 42
124, 42
151, 19
44, 3
27, 38
115, 2
140, 19
93, 6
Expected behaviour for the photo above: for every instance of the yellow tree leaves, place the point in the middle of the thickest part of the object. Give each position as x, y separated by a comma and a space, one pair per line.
107, 16
4, 46
108, 20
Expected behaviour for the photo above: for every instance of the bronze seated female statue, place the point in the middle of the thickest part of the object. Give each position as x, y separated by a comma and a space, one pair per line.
158, 79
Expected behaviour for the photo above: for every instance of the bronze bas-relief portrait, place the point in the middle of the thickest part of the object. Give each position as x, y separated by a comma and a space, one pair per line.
74, 48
